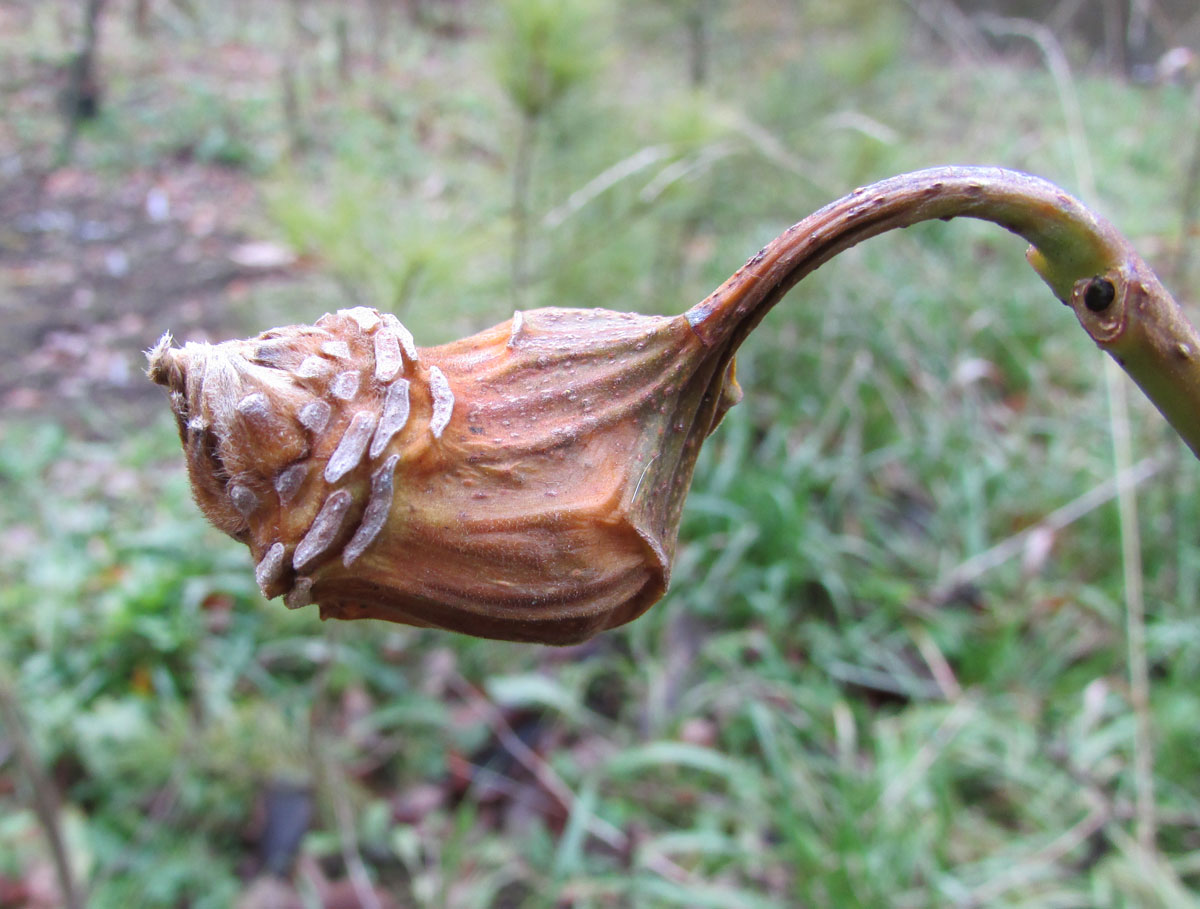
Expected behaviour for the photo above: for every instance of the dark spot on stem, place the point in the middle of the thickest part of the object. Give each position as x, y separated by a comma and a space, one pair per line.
1099, 294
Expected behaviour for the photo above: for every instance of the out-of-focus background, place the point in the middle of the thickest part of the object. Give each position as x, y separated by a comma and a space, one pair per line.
897, 665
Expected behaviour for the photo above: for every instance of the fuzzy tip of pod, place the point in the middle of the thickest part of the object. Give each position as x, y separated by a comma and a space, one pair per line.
160, 361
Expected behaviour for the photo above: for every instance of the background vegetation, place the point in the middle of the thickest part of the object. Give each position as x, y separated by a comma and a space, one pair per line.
890, 671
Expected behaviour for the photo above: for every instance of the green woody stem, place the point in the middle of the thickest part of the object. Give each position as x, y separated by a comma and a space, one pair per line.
1087, 264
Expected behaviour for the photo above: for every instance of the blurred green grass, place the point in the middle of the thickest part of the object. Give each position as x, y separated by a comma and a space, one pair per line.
796, 723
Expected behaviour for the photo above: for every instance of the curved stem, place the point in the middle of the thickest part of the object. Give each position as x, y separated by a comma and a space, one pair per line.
1135, 320
44, 795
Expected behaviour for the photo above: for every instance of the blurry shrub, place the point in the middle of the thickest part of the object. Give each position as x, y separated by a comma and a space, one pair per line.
543, 49
383, 245
208, 128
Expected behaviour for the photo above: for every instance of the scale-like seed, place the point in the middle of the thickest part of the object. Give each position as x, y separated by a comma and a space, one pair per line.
262, 421
352, 447
314, 416
443, 402
379, 505
300, 595
518, 323
324, 530
269, 571
387, 355
407, 342
339, 350
392, 417
289, 481
243, 499
366, 317
256, 407
256, 410
345, 385
277, 355
313, 367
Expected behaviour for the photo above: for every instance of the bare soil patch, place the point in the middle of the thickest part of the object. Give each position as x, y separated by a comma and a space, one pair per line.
93, 269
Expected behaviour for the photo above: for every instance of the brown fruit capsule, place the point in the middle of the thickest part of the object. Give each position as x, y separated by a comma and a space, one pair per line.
526, 483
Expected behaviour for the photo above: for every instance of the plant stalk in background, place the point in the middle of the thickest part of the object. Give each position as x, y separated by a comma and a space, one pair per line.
81, 99
43, 794
526, 483
546, 50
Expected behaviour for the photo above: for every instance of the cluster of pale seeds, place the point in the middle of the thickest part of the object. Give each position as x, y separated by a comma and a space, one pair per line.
272, 409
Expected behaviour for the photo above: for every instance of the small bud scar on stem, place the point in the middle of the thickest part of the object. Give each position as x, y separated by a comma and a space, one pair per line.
1099, 295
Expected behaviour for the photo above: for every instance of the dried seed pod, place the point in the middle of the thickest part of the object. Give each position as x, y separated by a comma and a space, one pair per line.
526, 483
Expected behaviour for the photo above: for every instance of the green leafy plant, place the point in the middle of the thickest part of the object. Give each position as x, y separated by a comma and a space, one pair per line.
545, 49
